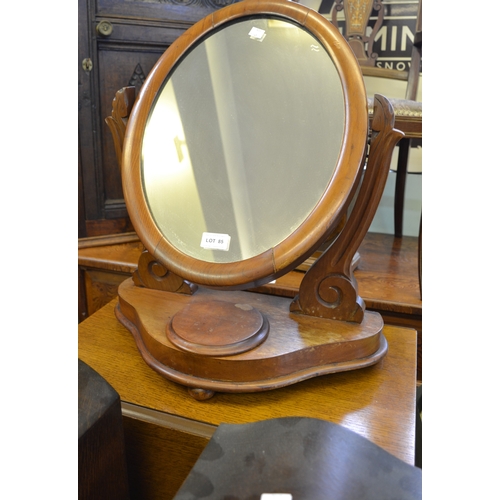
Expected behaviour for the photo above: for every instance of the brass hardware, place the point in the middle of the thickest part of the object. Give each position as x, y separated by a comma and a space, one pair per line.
87, 64
104, 28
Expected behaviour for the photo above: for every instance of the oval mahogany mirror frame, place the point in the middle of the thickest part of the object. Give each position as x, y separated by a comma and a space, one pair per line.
324, 217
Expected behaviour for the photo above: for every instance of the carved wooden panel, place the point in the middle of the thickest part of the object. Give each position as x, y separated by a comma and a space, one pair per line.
172, 10
122, 39
120, 66
100, 288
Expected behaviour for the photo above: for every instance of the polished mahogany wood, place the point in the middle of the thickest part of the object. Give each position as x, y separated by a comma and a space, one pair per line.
387, 277
327, 214
165, 432
387, 272
377, 402
218, 327
297, 346
328, 329
329, 289
152, 274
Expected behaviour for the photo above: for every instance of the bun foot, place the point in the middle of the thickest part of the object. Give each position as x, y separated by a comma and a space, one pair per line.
200, 394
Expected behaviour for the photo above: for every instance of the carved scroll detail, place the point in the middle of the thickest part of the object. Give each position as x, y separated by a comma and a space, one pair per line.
336, 290
152, 274
117, 122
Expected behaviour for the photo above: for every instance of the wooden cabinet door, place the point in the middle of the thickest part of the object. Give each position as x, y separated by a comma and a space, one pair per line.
119, 42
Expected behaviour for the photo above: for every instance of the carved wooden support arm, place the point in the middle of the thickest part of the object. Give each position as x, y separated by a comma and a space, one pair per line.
152, 274
122, 107
329, 289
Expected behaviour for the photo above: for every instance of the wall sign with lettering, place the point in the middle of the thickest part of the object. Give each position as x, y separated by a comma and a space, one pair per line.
394, 40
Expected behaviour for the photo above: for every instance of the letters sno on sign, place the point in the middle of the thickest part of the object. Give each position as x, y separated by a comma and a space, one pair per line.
394, 40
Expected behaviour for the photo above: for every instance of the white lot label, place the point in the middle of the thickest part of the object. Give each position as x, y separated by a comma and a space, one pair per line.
215, 241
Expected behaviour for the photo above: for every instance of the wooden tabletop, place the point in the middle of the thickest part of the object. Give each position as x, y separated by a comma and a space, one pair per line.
377, 402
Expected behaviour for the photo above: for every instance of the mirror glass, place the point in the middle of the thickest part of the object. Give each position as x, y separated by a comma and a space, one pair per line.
235, 153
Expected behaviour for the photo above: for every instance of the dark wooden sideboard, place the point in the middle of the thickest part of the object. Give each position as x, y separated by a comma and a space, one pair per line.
119, 41
387, 276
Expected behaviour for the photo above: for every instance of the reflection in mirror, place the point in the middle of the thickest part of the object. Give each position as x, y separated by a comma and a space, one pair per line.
226, 179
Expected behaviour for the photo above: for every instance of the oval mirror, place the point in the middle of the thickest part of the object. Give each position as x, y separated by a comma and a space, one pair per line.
245, 144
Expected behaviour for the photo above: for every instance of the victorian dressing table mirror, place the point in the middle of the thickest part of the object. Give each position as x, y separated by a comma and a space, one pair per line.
244, 153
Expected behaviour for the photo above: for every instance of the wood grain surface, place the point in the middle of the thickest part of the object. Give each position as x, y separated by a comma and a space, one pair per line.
377, 402
333, 203
387, 273
387, 276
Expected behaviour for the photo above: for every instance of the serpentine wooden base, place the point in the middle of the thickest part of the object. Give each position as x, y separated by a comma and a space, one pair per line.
293, 347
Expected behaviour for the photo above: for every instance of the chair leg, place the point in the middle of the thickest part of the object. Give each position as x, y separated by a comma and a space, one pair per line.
399, 195
420, 256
